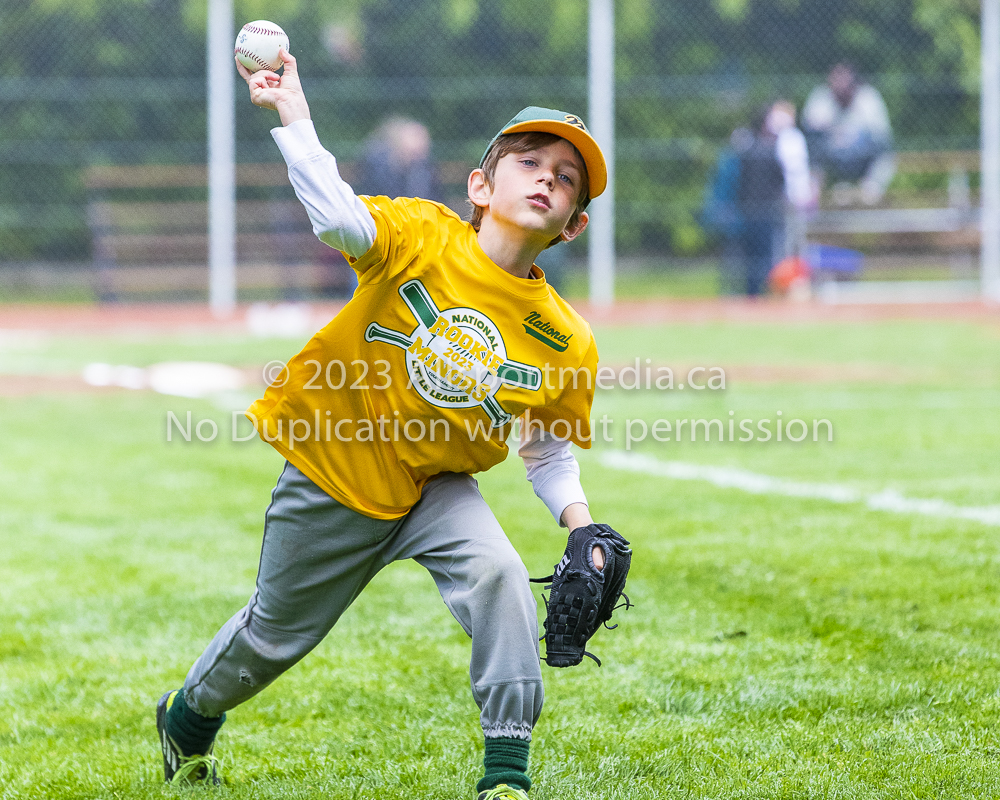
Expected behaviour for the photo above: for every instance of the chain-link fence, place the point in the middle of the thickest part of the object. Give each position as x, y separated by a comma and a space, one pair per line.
103, 131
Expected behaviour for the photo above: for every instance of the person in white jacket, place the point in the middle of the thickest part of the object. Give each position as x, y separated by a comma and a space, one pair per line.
773, 186
850, 136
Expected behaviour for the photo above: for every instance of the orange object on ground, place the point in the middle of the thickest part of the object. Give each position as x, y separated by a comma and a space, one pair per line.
786, 272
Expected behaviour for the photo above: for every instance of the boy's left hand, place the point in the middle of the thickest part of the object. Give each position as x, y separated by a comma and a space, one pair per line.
583, 595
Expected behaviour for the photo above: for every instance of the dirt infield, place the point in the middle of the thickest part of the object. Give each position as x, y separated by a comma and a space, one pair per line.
113, 318
29, 385
141, 319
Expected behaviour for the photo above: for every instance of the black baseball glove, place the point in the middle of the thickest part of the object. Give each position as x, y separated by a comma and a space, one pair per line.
582, 597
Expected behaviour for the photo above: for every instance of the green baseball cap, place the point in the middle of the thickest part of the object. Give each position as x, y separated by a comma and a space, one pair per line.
571, 128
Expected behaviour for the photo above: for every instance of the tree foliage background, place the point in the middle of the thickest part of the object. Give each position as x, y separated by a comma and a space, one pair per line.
87, 82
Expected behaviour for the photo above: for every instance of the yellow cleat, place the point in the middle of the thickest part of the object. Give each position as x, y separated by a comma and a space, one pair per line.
503, 792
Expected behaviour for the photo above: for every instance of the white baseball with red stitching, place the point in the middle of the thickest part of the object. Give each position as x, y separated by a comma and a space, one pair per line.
257, 45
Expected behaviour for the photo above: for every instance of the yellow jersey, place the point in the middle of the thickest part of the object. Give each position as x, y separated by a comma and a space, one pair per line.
426, 368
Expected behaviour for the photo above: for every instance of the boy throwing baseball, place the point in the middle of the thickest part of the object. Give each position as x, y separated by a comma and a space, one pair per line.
452, 334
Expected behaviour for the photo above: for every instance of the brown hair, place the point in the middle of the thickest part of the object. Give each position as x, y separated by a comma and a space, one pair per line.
524, 143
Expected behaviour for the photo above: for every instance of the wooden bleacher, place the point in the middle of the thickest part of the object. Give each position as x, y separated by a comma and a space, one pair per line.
943, 217
149, 230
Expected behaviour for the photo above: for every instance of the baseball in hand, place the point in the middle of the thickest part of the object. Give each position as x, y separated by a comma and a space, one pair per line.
257, 45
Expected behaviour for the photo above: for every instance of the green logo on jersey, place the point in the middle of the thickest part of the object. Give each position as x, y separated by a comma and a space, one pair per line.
456, 358
545, 333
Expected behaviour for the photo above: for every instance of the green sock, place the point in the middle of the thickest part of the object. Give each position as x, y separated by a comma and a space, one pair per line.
193, 733
506, 761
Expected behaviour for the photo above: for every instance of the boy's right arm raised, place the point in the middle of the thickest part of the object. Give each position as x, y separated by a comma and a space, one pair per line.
339, 217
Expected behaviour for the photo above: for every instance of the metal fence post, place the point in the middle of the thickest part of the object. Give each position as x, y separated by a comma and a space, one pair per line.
221, 159
601, 99
990, 214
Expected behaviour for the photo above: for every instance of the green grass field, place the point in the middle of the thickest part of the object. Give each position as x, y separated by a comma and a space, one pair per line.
781, 647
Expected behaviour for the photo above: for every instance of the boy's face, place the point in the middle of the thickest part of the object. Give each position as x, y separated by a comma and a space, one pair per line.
537, 191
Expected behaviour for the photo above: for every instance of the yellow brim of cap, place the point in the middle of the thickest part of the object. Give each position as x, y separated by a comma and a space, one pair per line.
593, 158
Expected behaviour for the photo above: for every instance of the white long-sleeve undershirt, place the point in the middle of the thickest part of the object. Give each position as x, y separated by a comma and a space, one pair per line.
341, 219
552, 469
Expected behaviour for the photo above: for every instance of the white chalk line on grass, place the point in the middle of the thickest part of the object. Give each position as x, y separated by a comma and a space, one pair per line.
755, 483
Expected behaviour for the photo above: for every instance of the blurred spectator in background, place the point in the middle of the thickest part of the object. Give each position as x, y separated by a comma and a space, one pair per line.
760, 200
850, 137
395, 162
720, 215
801, 194
756, 198
793, 155
773, 185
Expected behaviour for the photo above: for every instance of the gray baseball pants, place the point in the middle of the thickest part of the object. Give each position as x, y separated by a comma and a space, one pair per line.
318, 555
